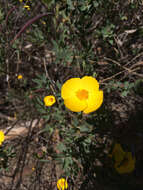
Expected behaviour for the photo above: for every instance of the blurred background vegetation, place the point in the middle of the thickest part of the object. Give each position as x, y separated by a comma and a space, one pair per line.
48, 42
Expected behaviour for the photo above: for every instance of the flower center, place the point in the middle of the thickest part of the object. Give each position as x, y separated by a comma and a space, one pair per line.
51, 99
82, 94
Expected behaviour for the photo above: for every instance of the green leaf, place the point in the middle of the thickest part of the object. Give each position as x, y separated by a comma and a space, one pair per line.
126, 85
131, 85
15, 44
88, 140
40, 101
61, 147
84, 128
68, 162
58, 85
95, 3
124, 93
47, 117
111, 42
48, 129
70, 4
42, 160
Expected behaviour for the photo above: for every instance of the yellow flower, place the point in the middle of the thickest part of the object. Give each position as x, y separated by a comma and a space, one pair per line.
82, 94
49, 100
124, 161
43, 22
62, 184
19, 77
27, 7
2, 137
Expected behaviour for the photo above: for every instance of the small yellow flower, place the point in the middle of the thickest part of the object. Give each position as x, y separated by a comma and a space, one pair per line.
49, 100
43, 22
124, 162
62, 184
19, 77
82, 94
2, 137
20, 1
27, 7
33, 169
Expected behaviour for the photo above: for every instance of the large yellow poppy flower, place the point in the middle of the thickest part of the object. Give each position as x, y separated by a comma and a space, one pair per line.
124, 162
82, 94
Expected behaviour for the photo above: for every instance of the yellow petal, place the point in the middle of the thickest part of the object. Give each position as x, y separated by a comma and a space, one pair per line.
94, 101
128, 165
62, 184
75, 104
70, 87
118, 153
90, 84
2, 137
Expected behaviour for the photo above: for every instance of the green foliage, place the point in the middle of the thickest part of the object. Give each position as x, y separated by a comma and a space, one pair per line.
36, 35
5, 155
41, 81
107, 32
15, 44
123, 87
63, 54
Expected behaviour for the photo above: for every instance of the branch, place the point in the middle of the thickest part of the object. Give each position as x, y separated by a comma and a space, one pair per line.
31, 21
